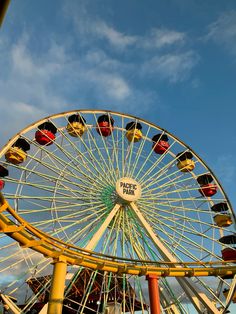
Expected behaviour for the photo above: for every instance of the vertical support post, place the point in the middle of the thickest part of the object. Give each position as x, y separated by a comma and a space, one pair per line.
56, 296
154, 295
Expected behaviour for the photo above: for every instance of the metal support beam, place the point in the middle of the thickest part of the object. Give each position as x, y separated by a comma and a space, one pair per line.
11, 306
97, 236
154, 296
56, 296
198, 299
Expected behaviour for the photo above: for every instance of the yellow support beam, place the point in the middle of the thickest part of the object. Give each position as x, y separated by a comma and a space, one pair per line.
3, 9
56, 296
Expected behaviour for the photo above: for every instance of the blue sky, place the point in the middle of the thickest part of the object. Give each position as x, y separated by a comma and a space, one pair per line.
172, 62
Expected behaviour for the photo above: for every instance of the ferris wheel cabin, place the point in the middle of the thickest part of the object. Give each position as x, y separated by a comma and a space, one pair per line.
105, 125
46, 133
76, 125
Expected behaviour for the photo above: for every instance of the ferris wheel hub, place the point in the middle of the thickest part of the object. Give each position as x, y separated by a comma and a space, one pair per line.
128, 189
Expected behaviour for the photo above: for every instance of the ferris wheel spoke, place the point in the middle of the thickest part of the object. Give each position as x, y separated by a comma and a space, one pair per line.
65, 218
44, 208
92, 161
115, 229
184, 199
94, 147
75, 234
109, 161
158, 159
159, 245
5, 258
46, 198
133, 246
53, 179
43, 186
183, 238
115, 151
139, 153
178, 225
154, 166
109, 237
159, 176
30, 271
98, 165
122, 147
169, 184
74, 161
168, 190
80, 237
97, 236
178, 230
160, 228
85, 179
157, 210
141, 244
179, 208
172, 182
83, 214
171, 192
131, 146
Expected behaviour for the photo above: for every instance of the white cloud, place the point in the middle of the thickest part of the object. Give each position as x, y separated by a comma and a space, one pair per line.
116, 87
39, 83
26, 86
173, 66
113, 36
160, 51
160, 38
95, 28
29, 76
15, 116
223, 31
43, 67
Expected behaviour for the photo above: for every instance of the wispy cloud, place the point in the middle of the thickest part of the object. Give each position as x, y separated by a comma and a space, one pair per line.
37, 85
223, 31
174, 67
160, 50
113, 36
160, 38
107, 72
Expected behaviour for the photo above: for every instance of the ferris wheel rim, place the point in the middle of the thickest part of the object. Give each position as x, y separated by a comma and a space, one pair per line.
101, 111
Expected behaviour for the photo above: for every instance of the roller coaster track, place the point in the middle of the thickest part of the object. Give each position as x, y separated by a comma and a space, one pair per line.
30, 237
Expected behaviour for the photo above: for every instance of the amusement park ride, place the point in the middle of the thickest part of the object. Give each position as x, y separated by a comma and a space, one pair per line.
102, 211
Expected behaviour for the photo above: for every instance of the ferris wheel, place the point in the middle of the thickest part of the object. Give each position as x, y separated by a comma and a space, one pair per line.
116, 198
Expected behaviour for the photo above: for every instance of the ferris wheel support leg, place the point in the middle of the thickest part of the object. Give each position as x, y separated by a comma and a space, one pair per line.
154, 296
198, 299
56, 296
